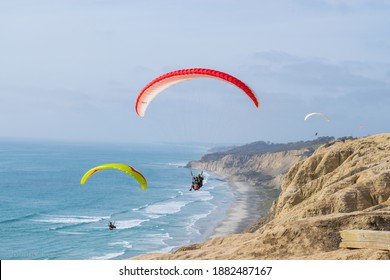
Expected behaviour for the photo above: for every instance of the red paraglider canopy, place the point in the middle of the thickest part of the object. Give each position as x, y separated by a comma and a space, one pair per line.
151, 90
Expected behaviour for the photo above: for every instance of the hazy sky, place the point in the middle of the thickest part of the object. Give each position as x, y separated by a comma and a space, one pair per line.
72, 69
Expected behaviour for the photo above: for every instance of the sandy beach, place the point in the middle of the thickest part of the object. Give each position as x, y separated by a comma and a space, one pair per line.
251, 203
322, 223
245, 211
249, 206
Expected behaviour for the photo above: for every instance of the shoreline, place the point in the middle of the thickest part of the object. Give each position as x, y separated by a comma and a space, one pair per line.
249, 206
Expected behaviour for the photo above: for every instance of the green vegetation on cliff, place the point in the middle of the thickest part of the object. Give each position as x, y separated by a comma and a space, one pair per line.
262, 147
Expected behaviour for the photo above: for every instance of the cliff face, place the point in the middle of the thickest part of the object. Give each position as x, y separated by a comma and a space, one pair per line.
265, 169
258, 164
344, 185
338, 178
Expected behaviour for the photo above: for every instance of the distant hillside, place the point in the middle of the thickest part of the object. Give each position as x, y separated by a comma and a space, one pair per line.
259, 163
261, 147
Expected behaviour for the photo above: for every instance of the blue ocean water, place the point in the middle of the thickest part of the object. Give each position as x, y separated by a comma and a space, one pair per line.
46, 214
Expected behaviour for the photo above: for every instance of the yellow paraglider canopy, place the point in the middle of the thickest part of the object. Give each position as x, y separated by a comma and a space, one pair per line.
120, 166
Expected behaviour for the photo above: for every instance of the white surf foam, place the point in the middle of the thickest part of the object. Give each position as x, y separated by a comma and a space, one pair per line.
71, 232
126, 224
170, 207
63, 219
124, 244
108, 256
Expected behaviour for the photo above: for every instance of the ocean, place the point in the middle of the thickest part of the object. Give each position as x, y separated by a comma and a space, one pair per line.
45, 213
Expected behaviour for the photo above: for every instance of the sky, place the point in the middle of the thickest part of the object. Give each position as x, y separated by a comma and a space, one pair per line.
72, 69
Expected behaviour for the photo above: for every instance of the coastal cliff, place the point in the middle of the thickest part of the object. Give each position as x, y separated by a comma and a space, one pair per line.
258, 164
343, 185
266, 169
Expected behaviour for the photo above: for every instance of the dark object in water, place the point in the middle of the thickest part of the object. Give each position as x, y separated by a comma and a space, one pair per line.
111, 226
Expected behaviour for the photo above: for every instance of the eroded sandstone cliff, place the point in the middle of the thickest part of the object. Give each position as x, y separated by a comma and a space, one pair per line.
266, 169
343, 185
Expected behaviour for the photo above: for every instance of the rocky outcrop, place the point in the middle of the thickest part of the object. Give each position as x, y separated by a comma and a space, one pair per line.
344, 185
341, 177
260, 163
264, 170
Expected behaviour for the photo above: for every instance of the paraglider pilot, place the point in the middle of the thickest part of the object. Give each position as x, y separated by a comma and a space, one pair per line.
197, 182
111, 226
